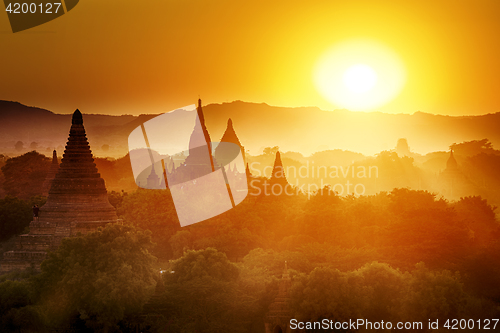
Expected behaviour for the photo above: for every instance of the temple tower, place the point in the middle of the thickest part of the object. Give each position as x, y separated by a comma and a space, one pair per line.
78, 193
200, 160
230, 136
278, 175
451, 164
153, 181
452, 183
54, 167
279, 315
77, 203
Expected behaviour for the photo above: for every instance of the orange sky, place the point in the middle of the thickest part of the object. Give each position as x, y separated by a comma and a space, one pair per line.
135, 57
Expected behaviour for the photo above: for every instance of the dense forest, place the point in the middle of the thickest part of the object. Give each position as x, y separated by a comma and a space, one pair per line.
399, 254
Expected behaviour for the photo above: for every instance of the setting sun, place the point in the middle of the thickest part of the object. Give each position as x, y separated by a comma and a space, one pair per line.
359, 75
359, 78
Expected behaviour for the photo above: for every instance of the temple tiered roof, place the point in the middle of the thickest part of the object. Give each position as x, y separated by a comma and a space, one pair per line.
77, 203
78, 193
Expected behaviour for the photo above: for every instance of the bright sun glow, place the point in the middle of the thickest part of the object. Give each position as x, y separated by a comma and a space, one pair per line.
359, 78
359, 75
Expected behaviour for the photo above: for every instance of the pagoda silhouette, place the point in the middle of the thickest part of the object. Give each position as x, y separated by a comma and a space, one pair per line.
452, 182
54, 167
77, 203
279, 315
203, 157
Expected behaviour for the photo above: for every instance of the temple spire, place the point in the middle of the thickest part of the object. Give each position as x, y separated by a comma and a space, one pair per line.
280, 312
278, 175
230, 135
54, 167
153, 180
78, 192
200, 144
77, 118
222, 155
451, 164
77, 203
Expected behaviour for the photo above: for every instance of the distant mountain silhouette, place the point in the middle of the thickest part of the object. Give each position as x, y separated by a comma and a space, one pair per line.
310, 129
303, 129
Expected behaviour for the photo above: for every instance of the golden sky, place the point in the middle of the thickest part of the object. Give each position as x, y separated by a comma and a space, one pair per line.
122, 56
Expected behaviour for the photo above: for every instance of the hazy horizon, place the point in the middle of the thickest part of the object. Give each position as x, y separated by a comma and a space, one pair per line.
249, 102
439, 58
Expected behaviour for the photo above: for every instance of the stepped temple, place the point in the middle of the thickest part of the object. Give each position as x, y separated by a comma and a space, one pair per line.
452, 183
279, 314
77, 203
203, 157
199, 162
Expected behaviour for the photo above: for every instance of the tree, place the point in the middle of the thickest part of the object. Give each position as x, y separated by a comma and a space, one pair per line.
471, 148
423, 229
3, 159
33, 145
434, 295
479, 217
481, 272
116, 198
102, 276
270, 151
326, 293
402, 148
382, 288
19, 145
16, 215
204, 295
16, 310
152, 210
377, 292
180, 242
406, 202
25, 174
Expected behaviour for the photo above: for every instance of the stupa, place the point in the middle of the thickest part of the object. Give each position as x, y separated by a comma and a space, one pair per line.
452, 183
278, 175
54, 167
230, 136
77, 203
199, 161
279, 315
200, 158
276, 186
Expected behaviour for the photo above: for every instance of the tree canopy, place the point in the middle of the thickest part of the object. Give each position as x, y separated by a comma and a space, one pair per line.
24, 175
100, 278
